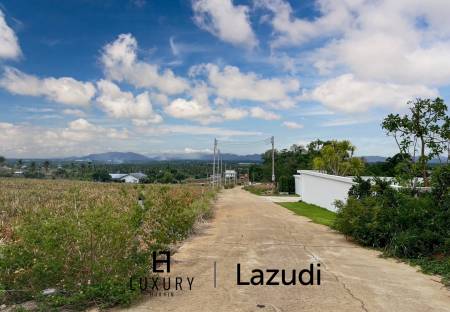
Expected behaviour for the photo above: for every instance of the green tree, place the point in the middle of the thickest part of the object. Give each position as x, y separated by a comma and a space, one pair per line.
101, 175
46, 165
336, 157
2, 160
424, 132
167, 177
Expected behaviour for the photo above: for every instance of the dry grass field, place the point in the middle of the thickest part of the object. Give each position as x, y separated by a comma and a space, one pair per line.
84, 240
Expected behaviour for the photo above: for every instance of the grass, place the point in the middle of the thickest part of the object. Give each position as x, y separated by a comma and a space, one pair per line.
86, 239
315, 213
260, 189
435, 266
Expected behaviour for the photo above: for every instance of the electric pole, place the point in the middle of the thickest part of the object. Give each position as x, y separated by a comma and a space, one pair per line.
218, 167
214, 164
272, 140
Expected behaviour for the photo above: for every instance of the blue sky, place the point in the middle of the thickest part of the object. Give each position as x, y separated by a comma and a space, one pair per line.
89, 76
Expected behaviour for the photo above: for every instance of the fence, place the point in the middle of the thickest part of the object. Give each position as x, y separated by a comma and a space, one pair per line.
322, 189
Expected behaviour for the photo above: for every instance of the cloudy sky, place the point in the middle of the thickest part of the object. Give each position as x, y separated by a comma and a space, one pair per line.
148, 76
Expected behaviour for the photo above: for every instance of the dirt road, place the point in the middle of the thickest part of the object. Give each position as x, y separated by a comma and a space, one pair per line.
259, 234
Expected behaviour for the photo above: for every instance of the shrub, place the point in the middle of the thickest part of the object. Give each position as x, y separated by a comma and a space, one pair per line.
401, 224
286, 184
260, 189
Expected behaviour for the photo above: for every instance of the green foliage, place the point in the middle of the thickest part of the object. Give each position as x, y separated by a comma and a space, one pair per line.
286, 184
287, 162
440, 183
86, 240
401, 224
424, 132
101, 175
167, 177
315, 213
336, 157
361, 189
395, 166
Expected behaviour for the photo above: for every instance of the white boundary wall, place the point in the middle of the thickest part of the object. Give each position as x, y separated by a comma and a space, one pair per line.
322, 189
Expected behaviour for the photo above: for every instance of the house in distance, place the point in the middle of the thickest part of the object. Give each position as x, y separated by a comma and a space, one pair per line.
136, 177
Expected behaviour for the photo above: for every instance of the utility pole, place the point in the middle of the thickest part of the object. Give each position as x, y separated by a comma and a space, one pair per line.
221, 170
214, 164
272, 140
218, 167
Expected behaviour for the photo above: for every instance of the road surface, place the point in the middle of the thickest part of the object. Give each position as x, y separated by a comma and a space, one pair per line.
257, 233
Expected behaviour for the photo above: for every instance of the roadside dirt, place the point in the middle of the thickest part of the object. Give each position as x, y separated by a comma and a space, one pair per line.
257, 233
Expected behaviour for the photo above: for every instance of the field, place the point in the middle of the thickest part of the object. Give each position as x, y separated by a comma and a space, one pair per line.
84, 240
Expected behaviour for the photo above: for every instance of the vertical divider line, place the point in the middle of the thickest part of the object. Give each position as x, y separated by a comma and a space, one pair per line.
215, 274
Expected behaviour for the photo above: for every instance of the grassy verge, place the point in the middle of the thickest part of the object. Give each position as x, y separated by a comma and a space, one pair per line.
315, 213
259, 189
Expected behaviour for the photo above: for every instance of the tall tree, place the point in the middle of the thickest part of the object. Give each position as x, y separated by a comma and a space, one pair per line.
424, 132
336, 157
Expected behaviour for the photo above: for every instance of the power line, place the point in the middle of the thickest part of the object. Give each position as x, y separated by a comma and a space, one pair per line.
219, 173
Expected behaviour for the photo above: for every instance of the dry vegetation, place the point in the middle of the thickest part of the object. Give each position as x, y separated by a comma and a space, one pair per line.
87, 239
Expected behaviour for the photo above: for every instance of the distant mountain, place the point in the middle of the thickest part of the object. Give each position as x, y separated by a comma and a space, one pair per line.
112, 157
374, 159
208, 157
129, 157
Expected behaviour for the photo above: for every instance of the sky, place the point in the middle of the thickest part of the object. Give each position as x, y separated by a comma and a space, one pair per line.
147, 76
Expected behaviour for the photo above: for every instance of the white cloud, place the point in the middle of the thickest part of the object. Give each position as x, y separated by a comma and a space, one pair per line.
195, 130
81, 130
120, 63
292, 125
231, 113
401, 41
258, 112
79, 137
120, 104
74, 112
189, 150
226, 21
9, 45
336, 16
184, 109
231, 84
349, 121
63, 90
348, 94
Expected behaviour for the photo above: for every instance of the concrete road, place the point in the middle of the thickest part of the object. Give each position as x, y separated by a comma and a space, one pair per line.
259, 234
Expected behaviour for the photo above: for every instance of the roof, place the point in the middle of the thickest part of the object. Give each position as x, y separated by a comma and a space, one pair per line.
138, 175
117, 176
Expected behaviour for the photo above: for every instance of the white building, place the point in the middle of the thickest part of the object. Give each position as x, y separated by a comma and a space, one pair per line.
230, 174
128, 177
